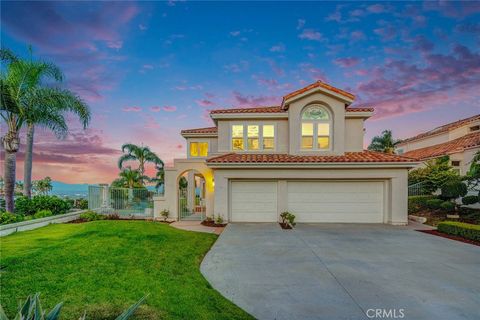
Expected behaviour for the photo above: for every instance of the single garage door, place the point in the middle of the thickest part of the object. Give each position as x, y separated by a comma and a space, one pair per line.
336, 201
253, 201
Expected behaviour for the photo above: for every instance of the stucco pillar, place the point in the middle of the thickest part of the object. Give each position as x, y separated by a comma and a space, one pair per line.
191, 190
399, 199
282, 202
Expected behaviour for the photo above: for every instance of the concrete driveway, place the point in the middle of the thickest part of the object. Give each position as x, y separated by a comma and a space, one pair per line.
342, 271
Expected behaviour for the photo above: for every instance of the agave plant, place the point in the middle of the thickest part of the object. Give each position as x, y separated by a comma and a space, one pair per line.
31, 309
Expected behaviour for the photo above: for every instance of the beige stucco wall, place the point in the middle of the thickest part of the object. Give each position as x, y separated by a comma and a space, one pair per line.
169, 201
395, 184
337, 110
422, 143
354, 134
281, 134
463, 130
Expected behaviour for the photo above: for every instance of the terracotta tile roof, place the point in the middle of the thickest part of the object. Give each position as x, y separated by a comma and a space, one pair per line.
316, 85
273, 109
201, 130
458, 145
363, 109
444, 128
362, 156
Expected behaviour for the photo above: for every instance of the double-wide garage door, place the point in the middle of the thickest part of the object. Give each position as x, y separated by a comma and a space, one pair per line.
310, 201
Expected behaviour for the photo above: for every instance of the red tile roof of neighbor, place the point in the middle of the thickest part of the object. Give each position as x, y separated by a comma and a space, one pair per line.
275, 109
201, 130
458, 145
445, 128
355, 157
316, 85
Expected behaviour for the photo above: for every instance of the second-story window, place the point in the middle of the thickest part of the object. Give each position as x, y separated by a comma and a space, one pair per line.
253, 137
316, 128
237, 137
199, 149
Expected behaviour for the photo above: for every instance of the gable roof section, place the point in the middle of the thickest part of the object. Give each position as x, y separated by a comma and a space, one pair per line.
318, 84
349, 157
441, 129
458, 145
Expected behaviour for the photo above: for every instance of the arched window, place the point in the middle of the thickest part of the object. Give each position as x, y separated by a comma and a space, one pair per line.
316, 128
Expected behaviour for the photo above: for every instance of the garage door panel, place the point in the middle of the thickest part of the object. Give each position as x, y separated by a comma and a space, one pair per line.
336, 201
253, 201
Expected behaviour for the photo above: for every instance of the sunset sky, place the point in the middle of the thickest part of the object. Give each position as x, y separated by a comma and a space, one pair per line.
150, 69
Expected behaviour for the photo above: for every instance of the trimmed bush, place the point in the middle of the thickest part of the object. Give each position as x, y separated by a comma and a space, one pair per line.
470, 200
92, 216
434, 203
418, 203
42, 214
464, 230
7, 217
447, 206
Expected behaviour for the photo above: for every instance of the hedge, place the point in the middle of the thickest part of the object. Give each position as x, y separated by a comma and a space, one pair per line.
465, 230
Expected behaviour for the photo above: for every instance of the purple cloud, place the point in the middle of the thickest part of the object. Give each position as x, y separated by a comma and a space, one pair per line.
278, 48
169, 108
347, 62
252, 100
205, 103
376, 8
132, 109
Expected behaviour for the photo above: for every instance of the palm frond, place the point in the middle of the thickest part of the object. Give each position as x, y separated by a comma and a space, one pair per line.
125, 158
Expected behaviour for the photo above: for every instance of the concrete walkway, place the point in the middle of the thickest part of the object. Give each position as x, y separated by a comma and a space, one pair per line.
195, 226
342, 271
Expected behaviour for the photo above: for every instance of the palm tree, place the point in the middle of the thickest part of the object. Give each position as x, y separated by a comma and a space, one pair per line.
47, 108
384, 143
141, 154
129, 178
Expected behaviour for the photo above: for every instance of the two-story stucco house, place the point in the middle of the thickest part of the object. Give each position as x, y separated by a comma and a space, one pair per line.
459, 140
305, 156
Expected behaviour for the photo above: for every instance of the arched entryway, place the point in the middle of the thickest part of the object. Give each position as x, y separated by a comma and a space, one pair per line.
191, 196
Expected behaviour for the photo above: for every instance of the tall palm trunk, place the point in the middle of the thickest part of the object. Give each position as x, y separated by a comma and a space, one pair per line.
11, 143
27, 165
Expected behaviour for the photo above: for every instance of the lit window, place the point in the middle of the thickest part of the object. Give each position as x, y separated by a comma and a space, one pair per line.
237, 137
307, 135
316, 128
198, 149
252, 135
268, 137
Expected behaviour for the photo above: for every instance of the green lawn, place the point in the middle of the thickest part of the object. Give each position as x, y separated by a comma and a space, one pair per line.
105, 266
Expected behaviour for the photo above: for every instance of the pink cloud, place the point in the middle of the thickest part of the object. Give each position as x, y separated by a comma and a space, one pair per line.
155, 109
132, 109
169, 108
253, 100
357, 35
310, 34
205, 103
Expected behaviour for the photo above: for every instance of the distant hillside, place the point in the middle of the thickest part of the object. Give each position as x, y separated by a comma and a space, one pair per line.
70, 190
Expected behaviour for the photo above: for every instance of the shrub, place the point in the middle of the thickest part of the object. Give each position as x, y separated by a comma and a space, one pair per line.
81, 204
7, 217
465, 230
42, 214
219, 220
31, 309
417, 203
447, 206
453, 189
165, 213
27, 207
434, 203
92, 216
470, 200
288, 218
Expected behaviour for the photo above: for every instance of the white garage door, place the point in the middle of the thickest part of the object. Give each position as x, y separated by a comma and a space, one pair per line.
336, 201
253, 201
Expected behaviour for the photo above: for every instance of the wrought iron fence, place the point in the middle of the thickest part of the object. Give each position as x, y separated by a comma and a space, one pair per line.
418, 189
125, 202
190, 211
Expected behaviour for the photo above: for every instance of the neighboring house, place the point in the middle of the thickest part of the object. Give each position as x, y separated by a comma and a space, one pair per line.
305, 156
459, 140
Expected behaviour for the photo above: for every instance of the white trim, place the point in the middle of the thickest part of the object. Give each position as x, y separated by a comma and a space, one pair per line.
315, 123
354, 114
250, 115
199, 135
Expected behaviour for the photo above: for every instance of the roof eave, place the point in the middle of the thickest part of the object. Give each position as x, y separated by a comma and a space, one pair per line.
249, 115
313, 165
348, 101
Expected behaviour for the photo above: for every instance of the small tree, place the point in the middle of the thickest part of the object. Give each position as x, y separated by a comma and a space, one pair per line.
384, 143
453, 189
435, 173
